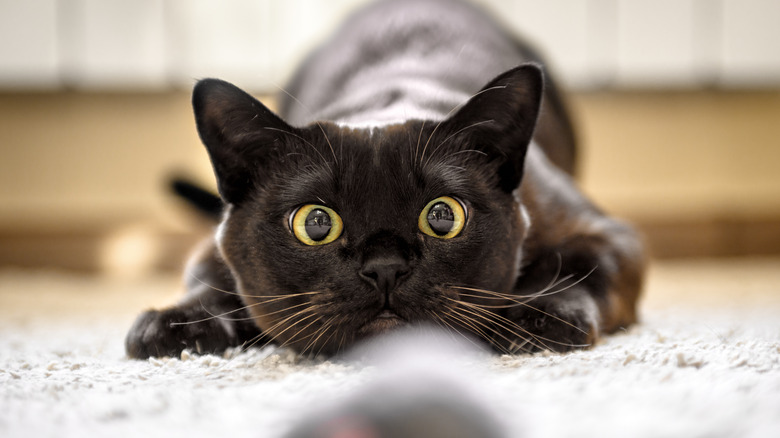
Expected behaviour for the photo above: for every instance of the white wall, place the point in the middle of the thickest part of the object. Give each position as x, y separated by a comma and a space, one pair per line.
157, 44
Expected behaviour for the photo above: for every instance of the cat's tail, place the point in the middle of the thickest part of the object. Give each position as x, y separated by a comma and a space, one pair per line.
204, 201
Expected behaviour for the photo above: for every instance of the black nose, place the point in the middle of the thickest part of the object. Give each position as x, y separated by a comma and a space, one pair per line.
384, 273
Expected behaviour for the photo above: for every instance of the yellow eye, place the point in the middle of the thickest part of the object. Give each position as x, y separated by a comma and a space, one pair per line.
316, 224
443, 217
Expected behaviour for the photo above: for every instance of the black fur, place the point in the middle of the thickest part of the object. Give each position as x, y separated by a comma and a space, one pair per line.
205, 202
380, 134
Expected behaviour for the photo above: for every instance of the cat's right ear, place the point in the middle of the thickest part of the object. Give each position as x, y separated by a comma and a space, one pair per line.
239, 133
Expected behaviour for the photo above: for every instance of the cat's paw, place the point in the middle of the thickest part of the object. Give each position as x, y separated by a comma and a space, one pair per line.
167, 332
555, 325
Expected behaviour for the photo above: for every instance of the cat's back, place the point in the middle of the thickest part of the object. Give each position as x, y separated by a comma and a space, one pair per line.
398, 60
401, 59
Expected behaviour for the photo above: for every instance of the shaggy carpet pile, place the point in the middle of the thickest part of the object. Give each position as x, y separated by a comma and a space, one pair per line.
689, 369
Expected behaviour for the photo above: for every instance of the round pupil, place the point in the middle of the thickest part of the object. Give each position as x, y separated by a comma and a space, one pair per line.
317, 224
441, 218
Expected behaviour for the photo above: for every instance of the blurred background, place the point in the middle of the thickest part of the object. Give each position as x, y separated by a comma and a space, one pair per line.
677, 103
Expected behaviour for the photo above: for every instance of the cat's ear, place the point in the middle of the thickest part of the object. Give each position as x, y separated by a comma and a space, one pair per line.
500, 120
238, 132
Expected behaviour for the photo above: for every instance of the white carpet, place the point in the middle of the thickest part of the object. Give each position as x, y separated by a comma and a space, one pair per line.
685, 371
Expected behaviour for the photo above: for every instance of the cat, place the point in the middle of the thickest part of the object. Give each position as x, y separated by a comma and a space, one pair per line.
419, 172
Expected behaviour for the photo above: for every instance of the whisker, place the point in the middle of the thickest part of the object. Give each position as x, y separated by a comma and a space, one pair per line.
217, 316
275, 298
305, 141
511, 327
486, 324
252, 342
196, 278
246, 345
332, 151
570, 285
453, 135
325, 342
276, 336
465, 151
310, 115
556, 318
220, 316
467, 324
256, 339
547, 291
487, 306
276, 323
341, 342
281, 295
493, 315
239, 309
460, 105
485, 317
293, 339
419, 137
452, 312
409, 137
450, 329
557, 270
537, 337
494, 294
436, 319
325, 327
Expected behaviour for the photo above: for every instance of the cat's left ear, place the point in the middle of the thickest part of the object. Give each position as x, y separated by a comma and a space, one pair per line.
500, 120
239, 132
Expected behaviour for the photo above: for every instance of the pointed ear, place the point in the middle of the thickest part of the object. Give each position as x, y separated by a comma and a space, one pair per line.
238, 132
500, 120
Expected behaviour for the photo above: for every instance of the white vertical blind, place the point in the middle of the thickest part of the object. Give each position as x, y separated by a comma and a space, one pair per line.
113, 43
552, 26
655, 43
602, 43
154, 44
750, 50
208, 39
297, 26
29, 56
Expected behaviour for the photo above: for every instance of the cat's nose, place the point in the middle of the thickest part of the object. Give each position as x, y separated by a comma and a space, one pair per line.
384, 273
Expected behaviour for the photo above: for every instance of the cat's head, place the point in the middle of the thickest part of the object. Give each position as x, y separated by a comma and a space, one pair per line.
335, 234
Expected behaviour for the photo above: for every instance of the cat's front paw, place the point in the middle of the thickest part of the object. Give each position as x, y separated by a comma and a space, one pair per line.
555, 325
167, 332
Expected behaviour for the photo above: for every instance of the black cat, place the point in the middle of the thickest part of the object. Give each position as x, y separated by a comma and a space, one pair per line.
420, 174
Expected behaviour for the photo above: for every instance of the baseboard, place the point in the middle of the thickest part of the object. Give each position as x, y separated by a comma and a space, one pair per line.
97, 251
712, 238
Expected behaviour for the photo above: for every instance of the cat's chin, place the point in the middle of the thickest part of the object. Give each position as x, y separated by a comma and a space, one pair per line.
384, 322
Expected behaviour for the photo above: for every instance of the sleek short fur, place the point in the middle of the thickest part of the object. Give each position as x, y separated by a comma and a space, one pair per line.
410, 101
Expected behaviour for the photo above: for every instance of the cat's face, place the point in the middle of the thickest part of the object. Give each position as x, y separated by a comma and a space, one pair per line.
336, 234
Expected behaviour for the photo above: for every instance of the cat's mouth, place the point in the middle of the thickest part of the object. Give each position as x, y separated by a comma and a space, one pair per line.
384, 321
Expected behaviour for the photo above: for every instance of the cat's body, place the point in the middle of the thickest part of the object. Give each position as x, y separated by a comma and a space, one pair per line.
413, 136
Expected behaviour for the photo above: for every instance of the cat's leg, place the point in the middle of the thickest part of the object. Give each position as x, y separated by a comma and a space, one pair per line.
193, 323
571, 292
